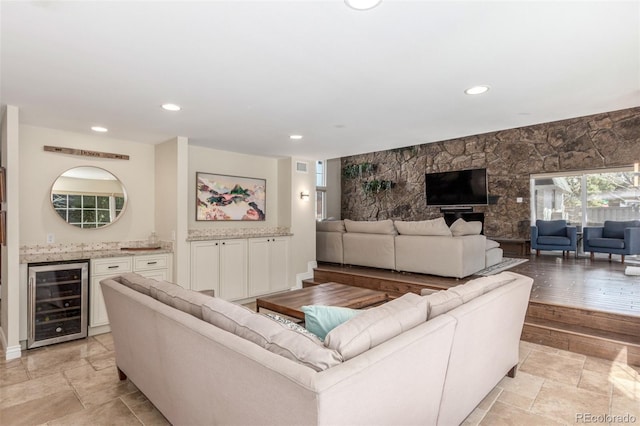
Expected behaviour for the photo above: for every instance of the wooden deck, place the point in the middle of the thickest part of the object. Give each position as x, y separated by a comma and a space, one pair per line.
576, 304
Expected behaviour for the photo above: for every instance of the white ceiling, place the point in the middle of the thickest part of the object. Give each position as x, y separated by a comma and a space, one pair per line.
249, 74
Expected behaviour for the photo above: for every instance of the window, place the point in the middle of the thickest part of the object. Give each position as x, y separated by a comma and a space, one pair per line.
321, 190
586, 198
87, 211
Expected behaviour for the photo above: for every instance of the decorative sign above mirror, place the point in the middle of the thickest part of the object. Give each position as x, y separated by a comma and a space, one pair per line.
88, 197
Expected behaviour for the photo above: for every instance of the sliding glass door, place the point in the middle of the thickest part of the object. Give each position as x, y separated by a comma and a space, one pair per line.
586, 198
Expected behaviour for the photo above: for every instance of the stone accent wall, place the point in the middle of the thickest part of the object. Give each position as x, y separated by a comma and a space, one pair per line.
510, 156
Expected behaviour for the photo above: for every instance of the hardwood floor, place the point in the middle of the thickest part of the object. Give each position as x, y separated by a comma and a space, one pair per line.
577, 304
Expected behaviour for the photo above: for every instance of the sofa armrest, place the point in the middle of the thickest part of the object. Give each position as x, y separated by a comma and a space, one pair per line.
632, 240
572, 234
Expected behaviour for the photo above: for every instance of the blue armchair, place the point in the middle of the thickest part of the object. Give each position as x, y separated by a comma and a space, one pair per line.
615, 237
553, 235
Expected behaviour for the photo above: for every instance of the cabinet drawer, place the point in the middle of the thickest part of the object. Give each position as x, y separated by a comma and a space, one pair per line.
112, 266
145, 263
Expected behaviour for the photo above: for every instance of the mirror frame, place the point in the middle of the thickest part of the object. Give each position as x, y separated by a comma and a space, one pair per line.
124, 192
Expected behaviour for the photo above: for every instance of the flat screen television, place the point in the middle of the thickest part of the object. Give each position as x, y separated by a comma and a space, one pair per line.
459, 188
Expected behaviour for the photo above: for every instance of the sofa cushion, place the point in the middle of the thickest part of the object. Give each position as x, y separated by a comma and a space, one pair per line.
441, 302
556, 228
377, 325
370, 227
612, 243
461, 227
269, 334
490, 244
615, 229
553, 240
479, 286
188, 301
137, 282
330, 226
320, 320
423, 227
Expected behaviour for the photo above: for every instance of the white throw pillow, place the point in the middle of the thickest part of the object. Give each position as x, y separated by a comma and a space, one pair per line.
461, 227
370, 227
492, 244
423, 227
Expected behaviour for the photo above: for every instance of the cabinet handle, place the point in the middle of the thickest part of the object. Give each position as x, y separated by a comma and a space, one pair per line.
216, 243
152, 263
224, 244
114, 267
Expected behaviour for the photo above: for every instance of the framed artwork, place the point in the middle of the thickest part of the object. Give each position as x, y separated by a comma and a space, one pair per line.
3, 228
223, 197
3, 185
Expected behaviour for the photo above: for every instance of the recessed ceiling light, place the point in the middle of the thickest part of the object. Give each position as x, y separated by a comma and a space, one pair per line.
476, 90
362, 4
295, 137
99, 129
171, 107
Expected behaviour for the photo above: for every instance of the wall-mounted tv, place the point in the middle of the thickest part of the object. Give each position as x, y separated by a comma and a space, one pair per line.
459, 188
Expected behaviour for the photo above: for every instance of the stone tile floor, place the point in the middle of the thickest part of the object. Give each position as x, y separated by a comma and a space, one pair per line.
76, 383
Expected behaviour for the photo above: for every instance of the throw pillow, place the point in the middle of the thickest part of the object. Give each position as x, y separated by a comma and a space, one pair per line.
424, 227
377, 325
320, 320
461, 227
492, 244
330, 226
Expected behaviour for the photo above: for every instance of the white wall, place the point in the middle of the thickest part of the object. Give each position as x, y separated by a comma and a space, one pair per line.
39, 169
303, 225
230, 163
9, 335
334, 188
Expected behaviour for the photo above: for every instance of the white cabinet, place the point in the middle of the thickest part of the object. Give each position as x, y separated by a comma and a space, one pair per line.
156, 266
220, 266
101, 269
268, 265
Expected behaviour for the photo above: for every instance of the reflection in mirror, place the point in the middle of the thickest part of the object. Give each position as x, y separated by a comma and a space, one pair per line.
88, 197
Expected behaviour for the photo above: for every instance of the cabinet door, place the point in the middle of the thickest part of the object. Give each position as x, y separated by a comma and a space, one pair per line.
259, 282
98, 310
279, 264
100, 270
233, 269
205, 266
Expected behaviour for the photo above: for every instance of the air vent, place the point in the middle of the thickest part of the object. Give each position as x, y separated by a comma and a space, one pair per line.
301, 166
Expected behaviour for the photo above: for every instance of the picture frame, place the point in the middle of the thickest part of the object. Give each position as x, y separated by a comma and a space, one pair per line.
3, 228
3, 185
230, 198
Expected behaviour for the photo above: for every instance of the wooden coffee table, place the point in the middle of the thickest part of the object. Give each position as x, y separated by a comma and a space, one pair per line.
328, 294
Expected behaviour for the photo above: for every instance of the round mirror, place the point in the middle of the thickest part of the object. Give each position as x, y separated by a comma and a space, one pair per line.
88, 197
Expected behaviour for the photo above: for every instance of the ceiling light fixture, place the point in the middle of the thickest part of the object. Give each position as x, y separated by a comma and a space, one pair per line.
362, 4
171, 107
99, 129
295, 137
476, 90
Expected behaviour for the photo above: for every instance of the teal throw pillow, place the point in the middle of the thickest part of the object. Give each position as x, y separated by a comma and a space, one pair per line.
320, 320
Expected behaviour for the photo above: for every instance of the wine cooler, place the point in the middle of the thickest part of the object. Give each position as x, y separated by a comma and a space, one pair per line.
57, 302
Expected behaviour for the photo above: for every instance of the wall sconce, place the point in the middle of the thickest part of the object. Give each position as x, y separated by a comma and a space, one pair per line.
304, 195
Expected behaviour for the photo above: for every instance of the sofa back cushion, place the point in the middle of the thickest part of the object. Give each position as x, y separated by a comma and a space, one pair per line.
188, 301
442, 301
270, 334
330, 226
461, 227
555, 228
370, 227
137, 282
615, 229
424, 227
377, 325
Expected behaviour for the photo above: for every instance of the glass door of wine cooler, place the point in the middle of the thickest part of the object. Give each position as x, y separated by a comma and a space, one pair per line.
58, 295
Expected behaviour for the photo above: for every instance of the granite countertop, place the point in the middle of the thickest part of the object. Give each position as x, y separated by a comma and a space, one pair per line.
235, 237
87, 254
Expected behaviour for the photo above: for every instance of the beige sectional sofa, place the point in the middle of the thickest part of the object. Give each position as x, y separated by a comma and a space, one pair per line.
427, 247
425, 360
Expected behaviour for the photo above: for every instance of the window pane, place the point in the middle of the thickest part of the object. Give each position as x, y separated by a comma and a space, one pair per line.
59, 201
75, 201
103, 216
62, 213
320, 205
611, 196
89, 216
89, 201
119, 203
103, 202
320, 173
558, 198
75, 215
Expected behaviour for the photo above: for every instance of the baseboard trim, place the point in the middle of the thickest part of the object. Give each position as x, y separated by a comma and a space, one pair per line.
11, 352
